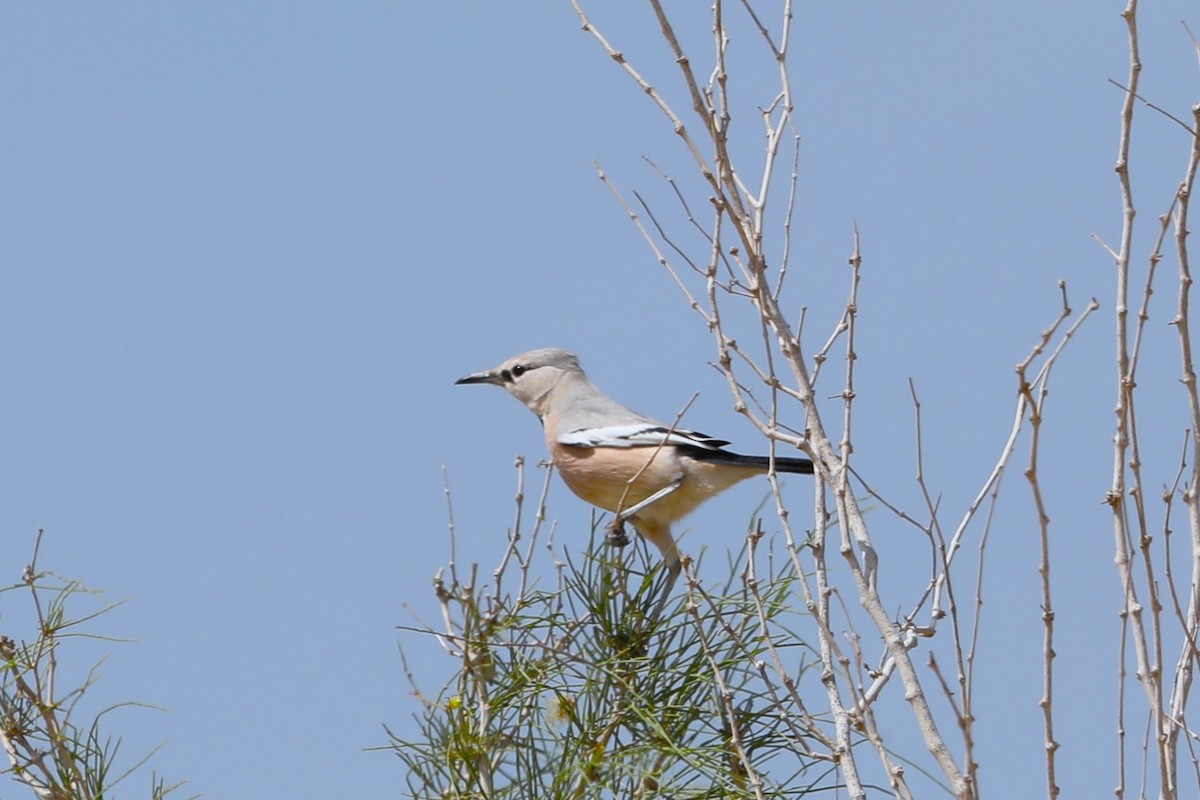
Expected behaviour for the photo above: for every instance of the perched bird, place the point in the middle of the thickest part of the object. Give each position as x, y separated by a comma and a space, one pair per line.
619, 460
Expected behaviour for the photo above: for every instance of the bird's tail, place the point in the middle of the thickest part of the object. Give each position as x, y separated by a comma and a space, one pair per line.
801, 466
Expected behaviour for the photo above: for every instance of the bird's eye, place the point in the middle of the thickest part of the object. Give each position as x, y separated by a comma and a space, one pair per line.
518, 370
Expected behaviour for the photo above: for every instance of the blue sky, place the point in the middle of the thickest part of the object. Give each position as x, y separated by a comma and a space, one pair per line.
247, 248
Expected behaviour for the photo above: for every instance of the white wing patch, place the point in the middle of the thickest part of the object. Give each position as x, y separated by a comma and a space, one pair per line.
641, 435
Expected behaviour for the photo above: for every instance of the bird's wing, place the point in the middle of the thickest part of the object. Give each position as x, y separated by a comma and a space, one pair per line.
638, 435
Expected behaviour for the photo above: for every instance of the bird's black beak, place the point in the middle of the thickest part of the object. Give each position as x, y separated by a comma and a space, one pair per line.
487, 376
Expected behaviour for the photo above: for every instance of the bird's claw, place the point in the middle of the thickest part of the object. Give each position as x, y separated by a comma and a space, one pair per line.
616, 536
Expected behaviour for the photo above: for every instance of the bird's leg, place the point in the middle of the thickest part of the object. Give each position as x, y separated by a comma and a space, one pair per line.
654, 498
672, 575
616, 531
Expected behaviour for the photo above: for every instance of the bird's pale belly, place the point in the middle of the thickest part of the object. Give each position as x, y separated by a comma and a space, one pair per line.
613, 478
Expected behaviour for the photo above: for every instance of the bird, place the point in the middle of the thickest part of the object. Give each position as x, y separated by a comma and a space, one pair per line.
644, 472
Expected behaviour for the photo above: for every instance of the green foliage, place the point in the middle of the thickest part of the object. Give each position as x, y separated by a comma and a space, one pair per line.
47, 750
575, 693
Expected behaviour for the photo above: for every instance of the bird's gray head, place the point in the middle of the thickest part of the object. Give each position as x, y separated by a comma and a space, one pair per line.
530, 377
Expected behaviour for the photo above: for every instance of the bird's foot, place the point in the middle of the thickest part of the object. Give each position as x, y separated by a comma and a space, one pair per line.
616, 536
